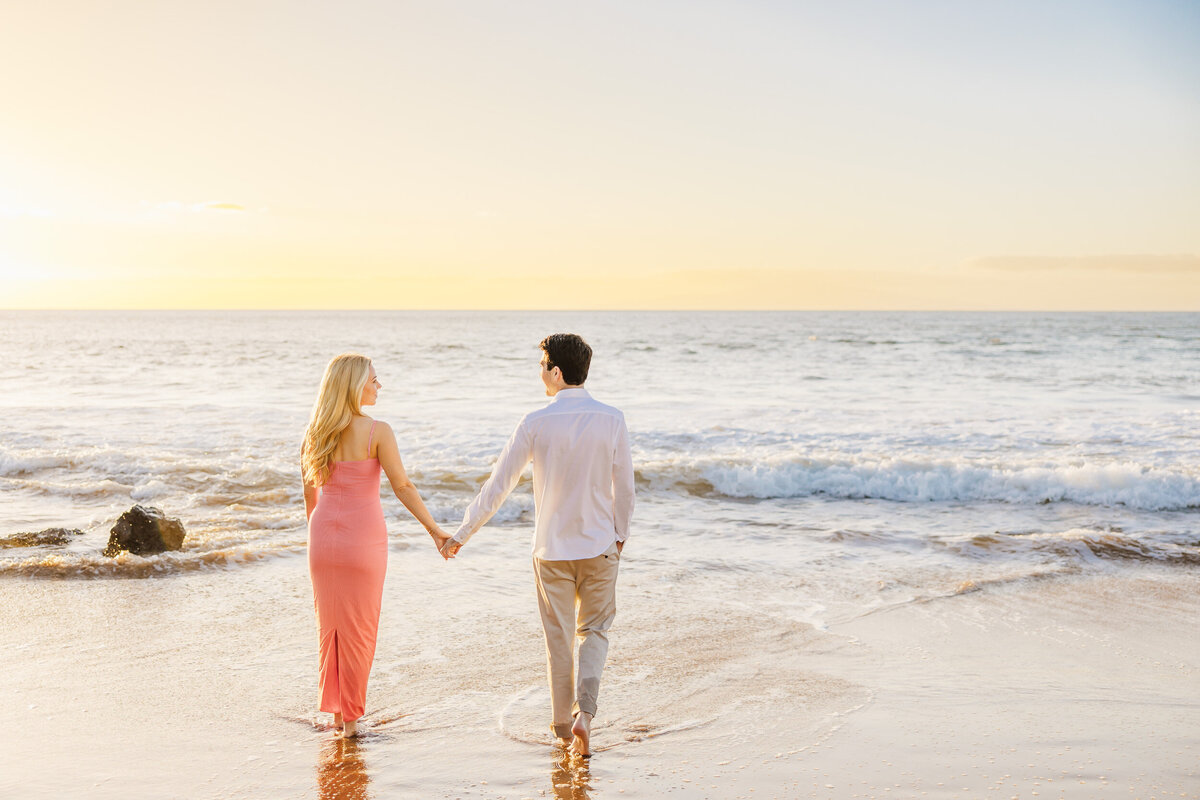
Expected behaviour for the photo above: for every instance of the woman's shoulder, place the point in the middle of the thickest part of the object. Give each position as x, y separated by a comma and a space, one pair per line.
363, 422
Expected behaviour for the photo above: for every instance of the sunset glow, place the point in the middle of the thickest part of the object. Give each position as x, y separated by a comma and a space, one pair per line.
668, 155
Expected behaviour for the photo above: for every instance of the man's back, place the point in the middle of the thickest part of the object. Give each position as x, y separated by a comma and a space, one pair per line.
582, 476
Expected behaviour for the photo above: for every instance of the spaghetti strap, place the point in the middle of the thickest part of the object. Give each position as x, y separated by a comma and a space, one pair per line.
370, 436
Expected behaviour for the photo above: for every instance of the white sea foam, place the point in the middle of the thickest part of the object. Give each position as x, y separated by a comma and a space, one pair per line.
755, 472
917, 480
127, 565
25, 462
150, 490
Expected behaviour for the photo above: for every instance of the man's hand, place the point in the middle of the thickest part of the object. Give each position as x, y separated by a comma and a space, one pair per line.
450, 548
620, 547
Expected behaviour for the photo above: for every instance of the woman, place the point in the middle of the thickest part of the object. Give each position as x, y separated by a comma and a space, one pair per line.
343, 452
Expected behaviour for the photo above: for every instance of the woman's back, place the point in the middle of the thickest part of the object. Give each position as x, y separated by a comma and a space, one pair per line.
357, 440
354, 473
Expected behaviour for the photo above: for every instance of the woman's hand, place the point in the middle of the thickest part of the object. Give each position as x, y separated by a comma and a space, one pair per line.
440, 537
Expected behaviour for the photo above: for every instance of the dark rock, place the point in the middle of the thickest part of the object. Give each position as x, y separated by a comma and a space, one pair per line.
48, 536
142, 530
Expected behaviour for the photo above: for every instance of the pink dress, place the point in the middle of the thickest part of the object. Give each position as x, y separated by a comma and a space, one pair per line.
347, 560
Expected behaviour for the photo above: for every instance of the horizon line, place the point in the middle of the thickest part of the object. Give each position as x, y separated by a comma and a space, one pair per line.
635, 310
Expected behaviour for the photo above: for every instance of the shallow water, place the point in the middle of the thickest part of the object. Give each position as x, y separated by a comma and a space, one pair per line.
202, 684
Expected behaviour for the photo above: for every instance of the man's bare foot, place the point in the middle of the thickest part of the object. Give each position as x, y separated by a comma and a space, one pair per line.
582, 731
350, 730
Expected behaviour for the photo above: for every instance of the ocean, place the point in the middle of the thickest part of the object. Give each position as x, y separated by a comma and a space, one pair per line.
984, 443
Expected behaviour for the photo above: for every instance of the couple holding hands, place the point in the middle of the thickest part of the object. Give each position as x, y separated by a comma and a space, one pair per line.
583, 496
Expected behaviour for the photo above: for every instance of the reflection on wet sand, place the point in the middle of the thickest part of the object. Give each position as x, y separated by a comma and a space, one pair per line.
570, 776
342, 772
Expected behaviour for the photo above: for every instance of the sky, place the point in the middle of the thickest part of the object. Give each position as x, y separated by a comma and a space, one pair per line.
567, 155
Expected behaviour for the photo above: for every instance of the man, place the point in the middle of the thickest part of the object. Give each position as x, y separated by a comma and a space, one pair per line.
583, 497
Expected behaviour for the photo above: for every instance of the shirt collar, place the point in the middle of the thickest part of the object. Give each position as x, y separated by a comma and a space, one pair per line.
570, 394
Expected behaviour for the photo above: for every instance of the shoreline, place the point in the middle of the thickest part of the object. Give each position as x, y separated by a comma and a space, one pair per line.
1085, 678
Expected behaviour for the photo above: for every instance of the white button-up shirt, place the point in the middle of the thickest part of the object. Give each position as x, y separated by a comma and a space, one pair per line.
582, 478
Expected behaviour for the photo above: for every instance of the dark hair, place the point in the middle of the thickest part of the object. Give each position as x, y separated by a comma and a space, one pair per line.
570, 353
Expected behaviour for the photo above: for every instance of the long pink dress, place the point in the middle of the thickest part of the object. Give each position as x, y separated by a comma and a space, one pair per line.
347, 560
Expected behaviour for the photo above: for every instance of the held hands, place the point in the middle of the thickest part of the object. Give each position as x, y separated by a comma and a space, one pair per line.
440, 537
444, 543
450, 548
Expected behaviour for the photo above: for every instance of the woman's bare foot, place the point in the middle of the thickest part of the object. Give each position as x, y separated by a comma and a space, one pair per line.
337, 720
350, 729
582, 731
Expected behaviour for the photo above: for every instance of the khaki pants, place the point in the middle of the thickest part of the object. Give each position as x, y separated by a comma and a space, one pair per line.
578, 601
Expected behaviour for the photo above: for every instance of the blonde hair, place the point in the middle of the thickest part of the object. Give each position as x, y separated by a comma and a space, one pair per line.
338, 402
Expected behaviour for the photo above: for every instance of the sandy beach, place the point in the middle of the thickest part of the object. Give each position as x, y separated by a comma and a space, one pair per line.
202, 685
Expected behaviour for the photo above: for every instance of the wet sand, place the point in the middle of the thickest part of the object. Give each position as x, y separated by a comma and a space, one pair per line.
1074, 688
202, 684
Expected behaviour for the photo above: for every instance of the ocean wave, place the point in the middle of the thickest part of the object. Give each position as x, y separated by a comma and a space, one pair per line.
151, 490
212, 543
98, 474
15, 464
81, 489
911, 480
1083, 545
722, 468
79, 555
127, 565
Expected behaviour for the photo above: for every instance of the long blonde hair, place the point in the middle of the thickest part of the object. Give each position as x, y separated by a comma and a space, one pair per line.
338, 402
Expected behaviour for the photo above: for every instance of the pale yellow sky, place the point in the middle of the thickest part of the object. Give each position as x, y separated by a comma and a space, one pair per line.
625, 155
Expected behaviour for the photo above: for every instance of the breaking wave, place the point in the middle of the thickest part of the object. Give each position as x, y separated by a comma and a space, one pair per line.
222, 480
128, 565
911, 480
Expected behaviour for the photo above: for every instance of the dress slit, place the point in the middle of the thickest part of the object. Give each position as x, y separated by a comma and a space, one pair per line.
330, 687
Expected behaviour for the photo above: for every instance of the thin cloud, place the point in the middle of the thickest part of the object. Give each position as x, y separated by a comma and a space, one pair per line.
16, 212
1180, 262
225, 207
